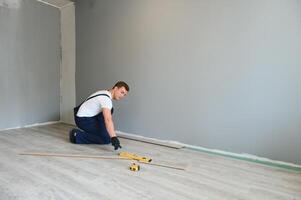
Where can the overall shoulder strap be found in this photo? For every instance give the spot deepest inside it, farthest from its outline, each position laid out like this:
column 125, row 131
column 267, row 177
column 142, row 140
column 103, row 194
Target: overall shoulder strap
column 96, row 96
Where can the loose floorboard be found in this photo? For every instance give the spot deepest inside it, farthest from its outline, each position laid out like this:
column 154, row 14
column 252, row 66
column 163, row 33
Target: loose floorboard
column 207, row 176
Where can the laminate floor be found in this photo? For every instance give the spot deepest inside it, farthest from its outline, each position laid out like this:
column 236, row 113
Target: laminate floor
column 206, row 176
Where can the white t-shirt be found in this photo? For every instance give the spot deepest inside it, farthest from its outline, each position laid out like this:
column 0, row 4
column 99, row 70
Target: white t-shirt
column 94, row 106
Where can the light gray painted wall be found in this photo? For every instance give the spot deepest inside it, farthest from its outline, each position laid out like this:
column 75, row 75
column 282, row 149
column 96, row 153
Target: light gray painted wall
column 67, row 84
column 219, row 74
column 29, row 63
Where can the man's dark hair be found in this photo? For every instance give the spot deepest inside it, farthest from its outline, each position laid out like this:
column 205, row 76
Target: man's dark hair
column 120, row 84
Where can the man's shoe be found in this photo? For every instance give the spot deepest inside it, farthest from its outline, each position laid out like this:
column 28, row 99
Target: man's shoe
column 72, row 136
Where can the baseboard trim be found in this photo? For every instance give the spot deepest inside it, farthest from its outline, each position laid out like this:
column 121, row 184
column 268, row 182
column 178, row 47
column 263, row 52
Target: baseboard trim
column 30, row 125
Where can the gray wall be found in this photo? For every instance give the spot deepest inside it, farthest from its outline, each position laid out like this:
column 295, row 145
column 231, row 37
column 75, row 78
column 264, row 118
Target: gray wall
column 214, row 73
column 29, row 63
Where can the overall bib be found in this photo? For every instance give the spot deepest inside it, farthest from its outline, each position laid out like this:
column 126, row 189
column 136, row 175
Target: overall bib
column 93, row 129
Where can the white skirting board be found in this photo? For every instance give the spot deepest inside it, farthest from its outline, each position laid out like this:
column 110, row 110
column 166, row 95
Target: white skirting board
column 31, row 125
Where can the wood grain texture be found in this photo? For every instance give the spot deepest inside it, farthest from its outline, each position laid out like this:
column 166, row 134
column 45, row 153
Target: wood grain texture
column 206, row 176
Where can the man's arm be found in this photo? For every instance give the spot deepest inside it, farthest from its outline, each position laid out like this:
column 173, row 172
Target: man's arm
column 109, row 121
column 110, row 127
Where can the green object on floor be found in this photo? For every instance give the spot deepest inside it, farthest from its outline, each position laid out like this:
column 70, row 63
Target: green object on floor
column 254, row 160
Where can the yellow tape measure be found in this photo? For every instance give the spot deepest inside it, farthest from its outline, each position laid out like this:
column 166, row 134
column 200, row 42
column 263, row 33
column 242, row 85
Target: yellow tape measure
column 134, row 167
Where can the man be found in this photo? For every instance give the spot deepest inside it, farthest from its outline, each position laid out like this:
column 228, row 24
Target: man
column 94, row 117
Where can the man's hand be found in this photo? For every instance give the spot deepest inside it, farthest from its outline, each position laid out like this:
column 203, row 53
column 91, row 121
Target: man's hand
column 115, row 143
